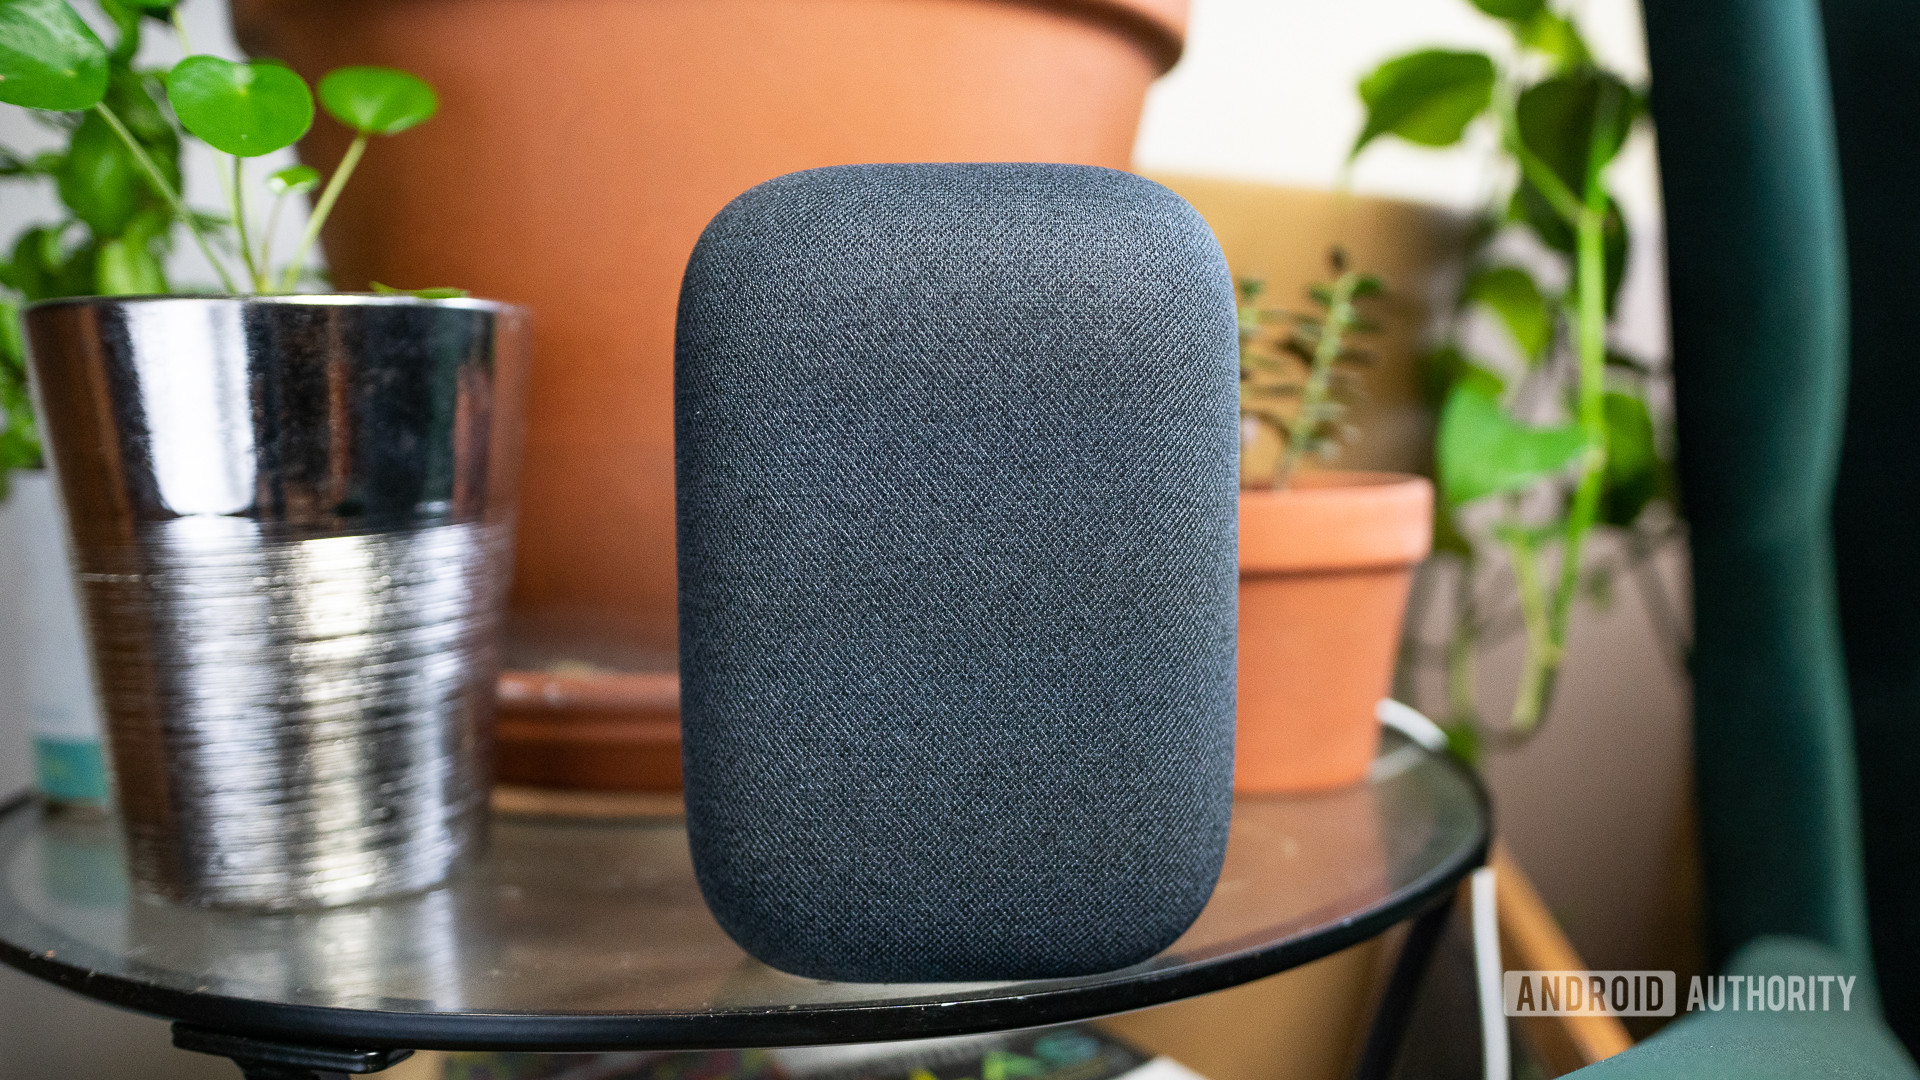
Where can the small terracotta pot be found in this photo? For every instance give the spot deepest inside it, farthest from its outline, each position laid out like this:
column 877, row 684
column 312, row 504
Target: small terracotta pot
column 1325, row 567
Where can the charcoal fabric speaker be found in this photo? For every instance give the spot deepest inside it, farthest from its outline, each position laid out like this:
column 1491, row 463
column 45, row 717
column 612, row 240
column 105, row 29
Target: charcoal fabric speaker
column 956, row 452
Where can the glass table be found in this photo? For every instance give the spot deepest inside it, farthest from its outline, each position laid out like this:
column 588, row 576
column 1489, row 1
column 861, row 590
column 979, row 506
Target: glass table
column 590, row 934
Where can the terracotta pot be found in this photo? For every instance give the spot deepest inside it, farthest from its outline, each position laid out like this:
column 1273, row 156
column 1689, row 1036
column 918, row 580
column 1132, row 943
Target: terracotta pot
column 580, row 148
column 1325, row 567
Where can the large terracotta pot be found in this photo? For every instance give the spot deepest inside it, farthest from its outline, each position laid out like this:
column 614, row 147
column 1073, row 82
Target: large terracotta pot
column 1325, row 567
column 582, row 145
column 580, row 148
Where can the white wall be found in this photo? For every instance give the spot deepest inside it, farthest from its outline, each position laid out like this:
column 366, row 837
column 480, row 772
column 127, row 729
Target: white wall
column 1266, row 92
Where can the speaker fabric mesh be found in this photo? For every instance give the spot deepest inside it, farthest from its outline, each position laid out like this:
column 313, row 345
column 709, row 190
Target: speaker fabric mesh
column 956, row 466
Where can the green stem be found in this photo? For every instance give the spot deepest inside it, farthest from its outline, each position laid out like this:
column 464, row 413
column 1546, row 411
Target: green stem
column 1548, row 183
column 1542, row 661
column 1590, row 279
column 322, row 208
column 266, row 241
column 164, row 190
column 1313, row 397
column 1592, row 405
column 180, row 30
column 1534, row 170
column 236, row 196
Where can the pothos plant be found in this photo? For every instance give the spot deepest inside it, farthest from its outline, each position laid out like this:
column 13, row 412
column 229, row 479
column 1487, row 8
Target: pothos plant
column 1293, row 374
column 118, row 175
column 1535, row 453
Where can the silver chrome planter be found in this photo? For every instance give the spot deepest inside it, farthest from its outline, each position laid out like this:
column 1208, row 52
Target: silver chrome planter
column 291, row 520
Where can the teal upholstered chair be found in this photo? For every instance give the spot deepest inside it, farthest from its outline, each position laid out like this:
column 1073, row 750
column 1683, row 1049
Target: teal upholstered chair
column 1873, row 48
column 1757, row 260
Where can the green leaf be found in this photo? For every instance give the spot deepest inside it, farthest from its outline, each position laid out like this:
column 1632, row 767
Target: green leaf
column 377, row 100
column 133, row 97
column 1510, row 293
column 42, row 268
column 242, row 109
column 1483, row 451
column 99, row 180
column 294, row 178
column 1531, row 209
column 1437, row 369
column 1425, row 97
column 1555, row 37
column 1447, row 536
column 25, row 269
column 441, row 292
column 49, row 57
column 1558, row 119
column 1463, row 739
column 1629, row 364
column 13, row 347
column 126, row 19
column 14, row 163
column 1635, row 475
column 19, row 439
column 1511, row 10
column 125, row 268
column 151, row 226
column 1445, row 367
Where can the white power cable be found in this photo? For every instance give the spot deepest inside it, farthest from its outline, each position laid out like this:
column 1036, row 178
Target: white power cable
column 1414, row 724
column 1410, row 722
column 1486, row 964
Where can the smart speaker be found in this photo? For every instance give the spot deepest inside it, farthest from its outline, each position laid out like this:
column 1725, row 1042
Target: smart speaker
column 955, row 451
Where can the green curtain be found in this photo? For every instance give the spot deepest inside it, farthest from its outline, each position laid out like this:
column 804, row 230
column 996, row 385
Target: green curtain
column 1757, row 280
column 1873, row 48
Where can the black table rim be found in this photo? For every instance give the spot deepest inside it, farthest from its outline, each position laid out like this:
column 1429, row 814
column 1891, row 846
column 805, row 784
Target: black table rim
column 778, row 1026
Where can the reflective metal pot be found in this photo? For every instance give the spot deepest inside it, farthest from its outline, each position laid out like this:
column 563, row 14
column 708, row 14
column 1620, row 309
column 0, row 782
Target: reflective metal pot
column 291, row 520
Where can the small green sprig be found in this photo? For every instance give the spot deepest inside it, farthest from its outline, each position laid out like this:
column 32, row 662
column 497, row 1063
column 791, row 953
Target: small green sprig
column 123, row 157
column 1293, row 383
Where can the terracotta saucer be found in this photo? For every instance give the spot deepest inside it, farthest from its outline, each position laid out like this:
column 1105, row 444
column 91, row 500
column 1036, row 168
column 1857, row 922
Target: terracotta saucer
column 587, row 713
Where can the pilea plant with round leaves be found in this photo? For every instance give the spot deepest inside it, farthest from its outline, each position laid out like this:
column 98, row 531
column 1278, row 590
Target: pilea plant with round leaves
column 1552, row 439
column 119, row 180
column 51, row 60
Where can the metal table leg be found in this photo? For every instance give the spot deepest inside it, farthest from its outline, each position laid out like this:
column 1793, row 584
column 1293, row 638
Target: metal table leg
column 1390, row 1021
column 260, row 1059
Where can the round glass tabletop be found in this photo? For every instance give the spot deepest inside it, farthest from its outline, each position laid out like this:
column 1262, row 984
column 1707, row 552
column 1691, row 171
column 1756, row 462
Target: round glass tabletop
column 586, row 934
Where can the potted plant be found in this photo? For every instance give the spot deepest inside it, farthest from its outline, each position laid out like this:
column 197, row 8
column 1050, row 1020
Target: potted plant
column 289, row 513
column 1545, row 432
column 1326, row 557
